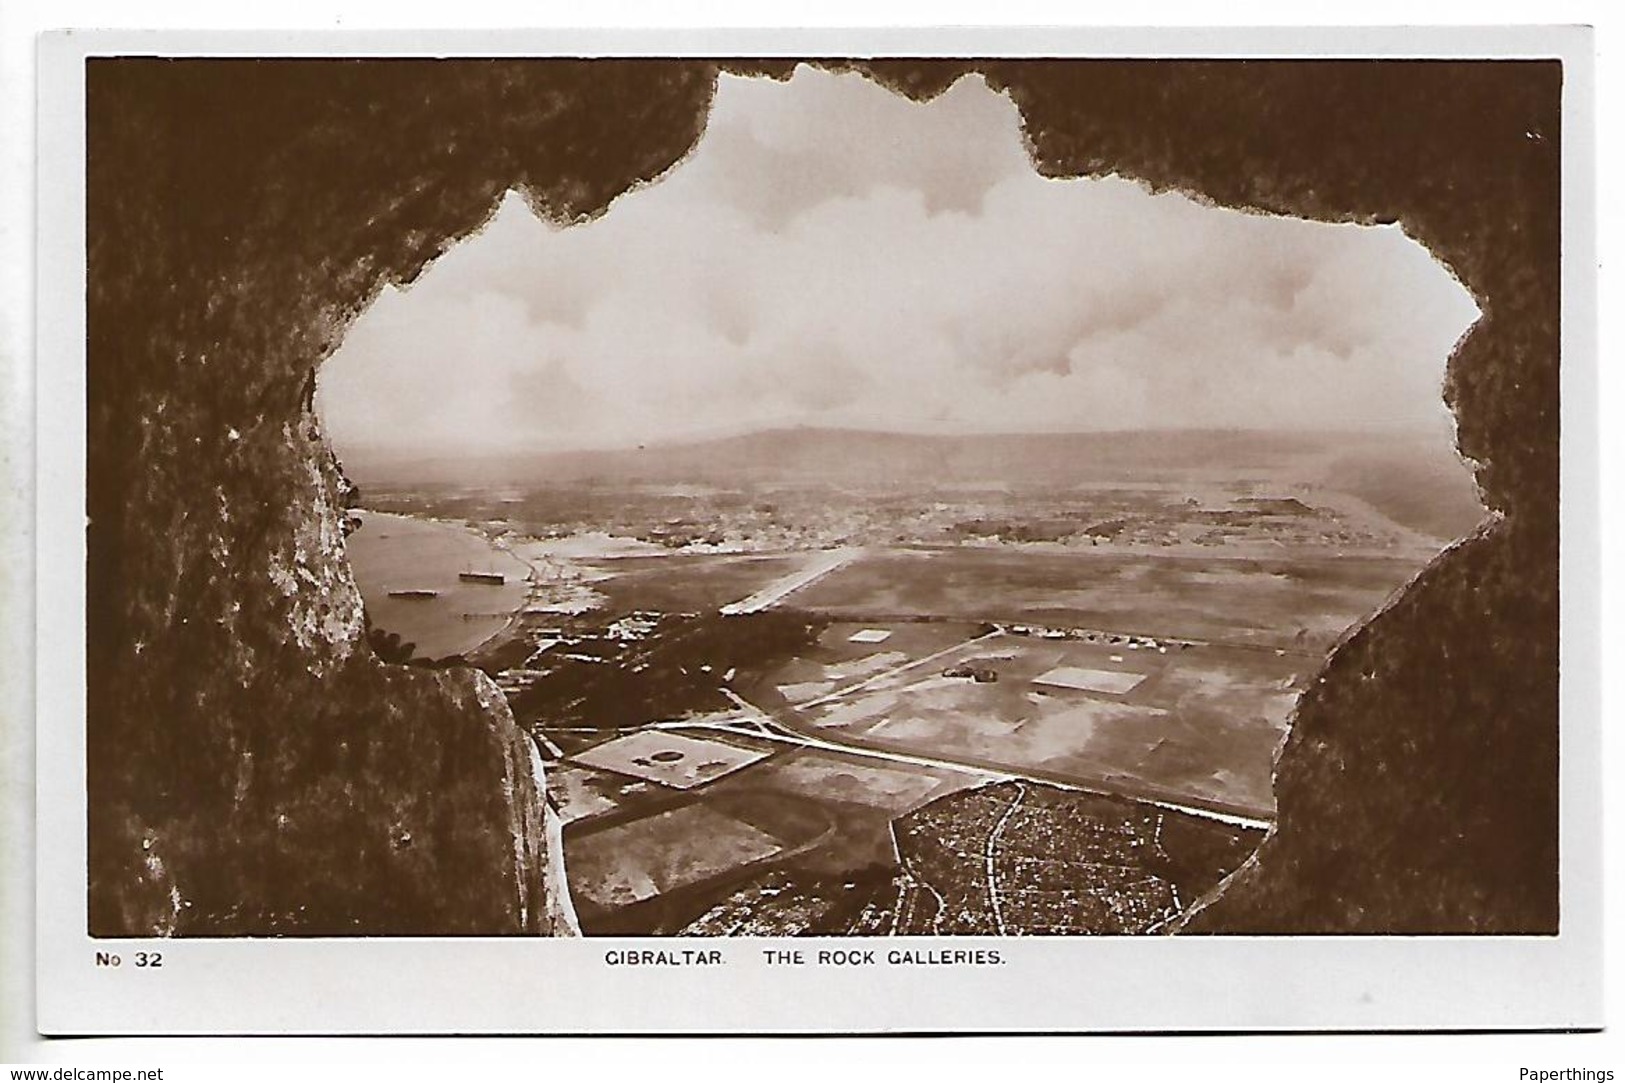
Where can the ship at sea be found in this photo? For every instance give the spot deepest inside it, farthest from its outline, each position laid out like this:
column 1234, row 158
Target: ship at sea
column 408, row 571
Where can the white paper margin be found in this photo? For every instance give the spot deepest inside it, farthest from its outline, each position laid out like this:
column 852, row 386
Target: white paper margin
column 517, row 986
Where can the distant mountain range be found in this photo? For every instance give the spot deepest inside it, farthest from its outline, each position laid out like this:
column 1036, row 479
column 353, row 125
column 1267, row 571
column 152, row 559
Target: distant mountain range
column 1414, row 476
column 850, row 456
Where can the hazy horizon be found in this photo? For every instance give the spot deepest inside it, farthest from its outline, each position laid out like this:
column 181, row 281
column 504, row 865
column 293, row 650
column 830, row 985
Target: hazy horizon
column 834, row 256
column 392, row 452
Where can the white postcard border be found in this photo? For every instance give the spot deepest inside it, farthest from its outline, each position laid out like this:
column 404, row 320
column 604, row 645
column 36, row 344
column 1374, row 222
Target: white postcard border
column 529, row 985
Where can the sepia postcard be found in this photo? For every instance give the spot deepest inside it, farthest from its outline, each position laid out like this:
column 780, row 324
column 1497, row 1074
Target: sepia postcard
column 932, row 531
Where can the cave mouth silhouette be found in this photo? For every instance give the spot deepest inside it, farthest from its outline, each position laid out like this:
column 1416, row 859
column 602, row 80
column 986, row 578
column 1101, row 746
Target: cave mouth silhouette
column 430, row 343
column 208, row 317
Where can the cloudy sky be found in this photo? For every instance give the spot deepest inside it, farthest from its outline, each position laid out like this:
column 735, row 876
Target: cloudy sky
column 832, row 254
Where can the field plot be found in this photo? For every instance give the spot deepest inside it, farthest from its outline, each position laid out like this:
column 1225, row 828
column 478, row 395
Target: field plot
column 857, row 795
column 581, row 793
column 814, row 566
column 838, row 662
column 688, row 582
column 1287, row 602
column 634, row 862
column 1078, row 679
column 1198, row 723
column 891, row 788
column 647, row 870
column 843, row 643
column 671, row 759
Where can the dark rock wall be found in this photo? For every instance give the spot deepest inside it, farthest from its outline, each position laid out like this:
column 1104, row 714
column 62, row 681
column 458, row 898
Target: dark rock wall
column 252, row 768
column 1418, row 789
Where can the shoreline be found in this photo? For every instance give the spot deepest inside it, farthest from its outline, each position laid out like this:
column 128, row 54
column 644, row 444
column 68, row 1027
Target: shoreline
column 446, row 610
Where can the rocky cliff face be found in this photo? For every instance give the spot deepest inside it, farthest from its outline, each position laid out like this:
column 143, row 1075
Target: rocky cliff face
column 1418, row 789
column 253, row 769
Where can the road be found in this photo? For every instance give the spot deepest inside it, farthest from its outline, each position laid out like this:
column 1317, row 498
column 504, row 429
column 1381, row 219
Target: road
column 882, row 675
column 752, row 721
column 992, row 854
column 821, row 564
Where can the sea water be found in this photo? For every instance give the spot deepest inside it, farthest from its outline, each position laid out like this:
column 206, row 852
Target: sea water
column 401, row 552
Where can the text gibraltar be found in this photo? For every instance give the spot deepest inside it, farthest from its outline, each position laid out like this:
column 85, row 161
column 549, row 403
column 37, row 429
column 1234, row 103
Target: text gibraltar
column 647, row 957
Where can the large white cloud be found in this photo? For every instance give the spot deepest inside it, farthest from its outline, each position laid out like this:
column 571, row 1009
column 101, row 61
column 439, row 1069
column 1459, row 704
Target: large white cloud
column 833, row 254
